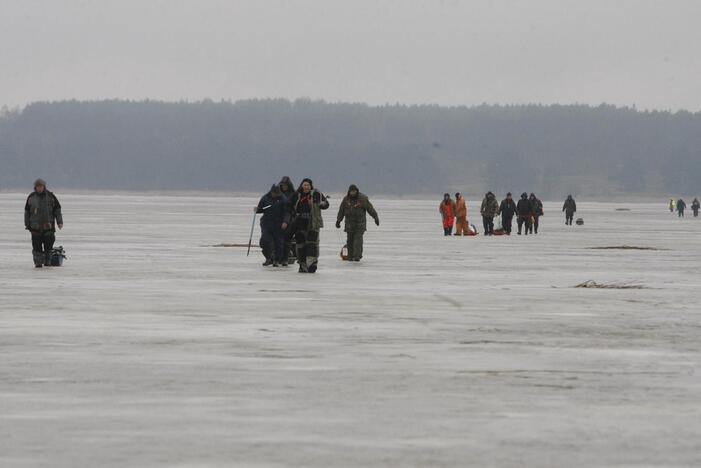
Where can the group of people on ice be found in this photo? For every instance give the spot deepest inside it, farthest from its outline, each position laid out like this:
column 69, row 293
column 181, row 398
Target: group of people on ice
column 292, row 220
column 680, row 206
column 527, row 212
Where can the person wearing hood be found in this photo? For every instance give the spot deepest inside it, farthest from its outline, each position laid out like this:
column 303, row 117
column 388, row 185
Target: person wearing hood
column 570, row 208
column 288, row 190
column 524, row 210
column 488, row 210
column 354, row 208
column 447, row 209
column 695, row 206
column 42, row 213
column 308, row 205
column 537, row 207
column 461, row 227
column 681, row 206
column 507, row 210
column 273, row 224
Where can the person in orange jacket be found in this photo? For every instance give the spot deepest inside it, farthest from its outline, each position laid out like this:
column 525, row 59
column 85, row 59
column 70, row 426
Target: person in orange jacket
column 461, row 228
column 447, row 209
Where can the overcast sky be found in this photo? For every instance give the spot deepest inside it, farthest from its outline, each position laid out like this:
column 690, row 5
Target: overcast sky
column 452, row 52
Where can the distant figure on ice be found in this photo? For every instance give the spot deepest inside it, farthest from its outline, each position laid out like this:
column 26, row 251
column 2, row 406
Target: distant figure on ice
column 354, row 208
column 681, row 206
column 42, row 213
column 695, row 206
column 488, row 210
column 273, row 224
column 570, row 208
column 447, row 209
column 461, row 227
column 525, row 212
column 671, row 205
column 288, row 190
column 308, row 206
column 507, row 210
column 537, row 212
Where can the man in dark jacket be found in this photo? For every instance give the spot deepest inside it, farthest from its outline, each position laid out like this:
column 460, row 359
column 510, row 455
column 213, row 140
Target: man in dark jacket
column 353, row 209
column 42, row 213
column 507, row 210
column 488, row 210
column 288, row 190
column 570, row 208
column 537, row 212
column 275, row 220
column 681, row 206
column 525, row 212
column 695, row 205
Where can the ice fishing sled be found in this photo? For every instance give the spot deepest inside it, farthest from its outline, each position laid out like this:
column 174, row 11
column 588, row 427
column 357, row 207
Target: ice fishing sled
column 579, row 221
column 471, row 230
column 344, row 253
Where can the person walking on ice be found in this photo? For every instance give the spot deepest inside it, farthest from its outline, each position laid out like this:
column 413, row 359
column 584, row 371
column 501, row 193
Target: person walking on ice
column 695, row 205
column 507, row 208
column 488, row 210
column 354, row 208
column 447, row 209
column 42, row 213
column 273, row 224
column 570, row 208
column 681, row 206
column 308, row 223
column 461, row 227
column 524, row 211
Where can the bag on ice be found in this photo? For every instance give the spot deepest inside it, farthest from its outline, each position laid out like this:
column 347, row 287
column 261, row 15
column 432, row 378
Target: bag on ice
column 57, row 256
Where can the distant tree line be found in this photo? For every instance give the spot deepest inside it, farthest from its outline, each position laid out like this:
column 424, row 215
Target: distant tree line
column 247, row 145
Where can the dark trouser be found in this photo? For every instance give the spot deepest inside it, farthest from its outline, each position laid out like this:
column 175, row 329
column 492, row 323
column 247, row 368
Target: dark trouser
column 42, row 243
column 681, row 213
column 448, row 231
column 524, row 220
column 488, row 223
column 354, row 242
column 307, row 250
column 533, row 225
column 506, row 222
column 696, row 213
column 289, row 236
column 569, row 216
column 272, row 241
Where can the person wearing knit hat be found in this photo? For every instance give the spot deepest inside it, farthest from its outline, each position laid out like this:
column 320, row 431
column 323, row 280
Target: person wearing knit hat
column 354, row 208
column 42, row 213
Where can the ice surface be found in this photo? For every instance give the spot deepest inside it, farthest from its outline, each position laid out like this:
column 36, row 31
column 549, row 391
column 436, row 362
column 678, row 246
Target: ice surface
column 149, row 348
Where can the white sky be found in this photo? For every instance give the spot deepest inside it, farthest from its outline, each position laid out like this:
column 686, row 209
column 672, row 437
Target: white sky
column 625, row 52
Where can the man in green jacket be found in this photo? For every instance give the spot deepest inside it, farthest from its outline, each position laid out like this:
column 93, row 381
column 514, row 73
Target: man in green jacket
column 354, row 207
column 42, row 213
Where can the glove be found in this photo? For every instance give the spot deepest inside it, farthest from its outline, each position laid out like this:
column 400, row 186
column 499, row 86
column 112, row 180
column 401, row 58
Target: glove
column 338, row 225
column 377, row 221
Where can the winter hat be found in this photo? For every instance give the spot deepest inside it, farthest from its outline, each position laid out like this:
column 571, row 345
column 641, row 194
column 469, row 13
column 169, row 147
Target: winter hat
column 508, row 194
column 446, row 195
column 353, row 188
column 524, row 195
column 39, row 182
column 275, row 190
column 457, row 194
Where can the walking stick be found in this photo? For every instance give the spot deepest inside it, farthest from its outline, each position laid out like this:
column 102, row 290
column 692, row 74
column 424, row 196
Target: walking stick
column 250, row 239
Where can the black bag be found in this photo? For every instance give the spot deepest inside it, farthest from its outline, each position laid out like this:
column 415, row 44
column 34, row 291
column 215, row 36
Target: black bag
column 57, row 256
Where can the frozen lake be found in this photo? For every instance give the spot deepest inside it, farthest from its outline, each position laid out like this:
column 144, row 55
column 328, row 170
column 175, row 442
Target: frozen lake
column 151, row 348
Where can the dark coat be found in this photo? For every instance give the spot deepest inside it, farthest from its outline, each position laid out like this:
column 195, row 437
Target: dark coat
column 276, row 211
column 524, row 208
column 354, row 210
column 537, row 207
column 42, row 212
column 507, row 208
column 570, row 206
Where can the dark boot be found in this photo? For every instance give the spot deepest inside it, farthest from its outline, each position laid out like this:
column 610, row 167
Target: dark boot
column 267, row 262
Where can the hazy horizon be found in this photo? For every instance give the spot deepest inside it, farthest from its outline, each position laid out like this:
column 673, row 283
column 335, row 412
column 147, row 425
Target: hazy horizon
column 627, row 53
